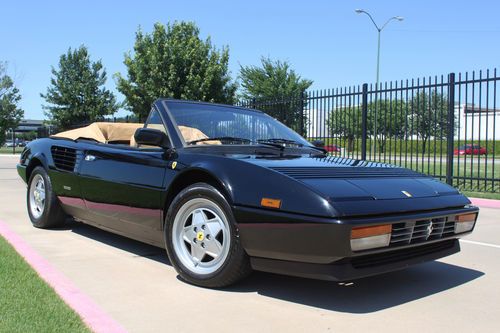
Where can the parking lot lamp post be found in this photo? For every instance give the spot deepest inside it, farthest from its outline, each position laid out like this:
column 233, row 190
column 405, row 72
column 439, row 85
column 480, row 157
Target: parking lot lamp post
column 379, row 31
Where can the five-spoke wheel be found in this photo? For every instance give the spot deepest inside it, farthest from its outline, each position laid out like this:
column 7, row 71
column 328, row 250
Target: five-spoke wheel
column 202, row 239
column 44, row 208
column 201, row 235
column 37, row 196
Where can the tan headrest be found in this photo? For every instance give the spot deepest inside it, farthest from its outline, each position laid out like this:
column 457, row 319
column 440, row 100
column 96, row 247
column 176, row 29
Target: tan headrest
column 133, row 143
column 191, row 134
column 118, row 131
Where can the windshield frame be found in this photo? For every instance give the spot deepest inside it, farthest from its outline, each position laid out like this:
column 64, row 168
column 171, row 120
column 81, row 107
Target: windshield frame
column 303, row 144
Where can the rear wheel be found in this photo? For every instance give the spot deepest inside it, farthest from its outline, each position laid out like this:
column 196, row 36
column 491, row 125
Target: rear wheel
column 44, row 209
column 202, row 239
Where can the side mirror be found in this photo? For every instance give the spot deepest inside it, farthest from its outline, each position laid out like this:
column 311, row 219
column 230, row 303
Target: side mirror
column 151, row 137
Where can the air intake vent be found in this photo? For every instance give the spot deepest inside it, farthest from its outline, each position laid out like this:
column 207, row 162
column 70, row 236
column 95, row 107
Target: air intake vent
column 64, row 158
column 346, row 172
column 422, row 230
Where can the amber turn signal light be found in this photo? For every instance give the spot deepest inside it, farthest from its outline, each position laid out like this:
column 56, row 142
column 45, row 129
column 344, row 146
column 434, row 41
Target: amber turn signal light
column 471, row 217
column 270, row 203
column 362, row 232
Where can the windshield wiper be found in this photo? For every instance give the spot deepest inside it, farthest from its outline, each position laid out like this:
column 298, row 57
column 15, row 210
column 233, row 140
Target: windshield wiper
column 280, row 141
column 220, row 138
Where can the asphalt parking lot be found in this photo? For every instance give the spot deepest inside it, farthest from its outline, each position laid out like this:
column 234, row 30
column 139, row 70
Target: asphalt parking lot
column 136, row 286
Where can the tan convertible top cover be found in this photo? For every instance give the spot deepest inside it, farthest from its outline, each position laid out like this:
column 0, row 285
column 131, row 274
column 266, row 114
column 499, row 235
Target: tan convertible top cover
column 102, row 132
column 124, row 132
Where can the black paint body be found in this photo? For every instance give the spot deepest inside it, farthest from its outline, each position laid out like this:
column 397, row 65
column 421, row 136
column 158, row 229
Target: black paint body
column 128, row 190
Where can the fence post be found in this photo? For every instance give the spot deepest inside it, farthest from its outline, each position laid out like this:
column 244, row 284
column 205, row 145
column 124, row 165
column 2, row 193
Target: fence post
column 301, row 106
column 13, row 140
column 451, row 128
column 364, row 120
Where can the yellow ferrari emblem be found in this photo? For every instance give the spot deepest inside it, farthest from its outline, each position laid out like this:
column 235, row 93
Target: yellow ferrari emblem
column 174, row 164
column 200, row 236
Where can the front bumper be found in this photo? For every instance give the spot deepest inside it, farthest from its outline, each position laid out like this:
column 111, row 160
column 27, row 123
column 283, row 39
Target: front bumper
column 320, row 248
column 362, row 266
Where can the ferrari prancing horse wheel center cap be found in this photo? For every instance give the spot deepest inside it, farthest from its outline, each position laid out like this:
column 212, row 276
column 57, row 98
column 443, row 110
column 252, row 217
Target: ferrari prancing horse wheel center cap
column 200, row 236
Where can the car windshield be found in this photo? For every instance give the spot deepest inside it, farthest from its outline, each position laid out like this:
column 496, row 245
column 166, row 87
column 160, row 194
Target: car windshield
column 201, row 123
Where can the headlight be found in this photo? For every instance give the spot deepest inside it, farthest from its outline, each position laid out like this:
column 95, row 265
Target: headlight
column 465, row 222
column 363, row 238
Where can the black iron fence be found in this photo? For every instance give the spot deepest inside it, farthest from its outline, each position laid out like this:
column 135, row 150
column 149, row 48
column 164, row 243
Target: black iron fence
column 445, row 126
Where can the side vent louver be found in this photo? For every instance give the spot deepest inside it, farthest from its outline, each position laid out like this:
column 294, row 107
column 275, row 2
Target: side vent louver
column 64, row 158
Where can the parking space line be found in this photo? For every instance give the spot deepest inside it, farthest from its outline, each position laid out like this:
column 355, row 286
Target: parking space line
column 480, row 243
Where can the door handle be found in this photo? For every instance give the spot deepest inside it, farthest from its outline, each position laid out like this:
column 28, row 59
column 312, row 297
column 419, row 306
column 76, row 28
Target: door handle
column 89, row 158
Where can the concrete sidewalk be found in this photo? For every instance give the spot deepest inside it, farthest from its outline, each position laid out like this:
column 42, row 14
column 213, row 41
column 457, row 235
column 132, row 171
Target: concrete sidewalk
column 135, row 284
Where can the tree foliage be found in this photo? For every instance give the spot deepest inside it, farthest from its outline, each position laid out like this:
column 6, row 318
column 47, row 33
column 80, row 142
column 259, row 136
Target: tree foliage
column 76, row 93
column 10, row 112
column 345, row 123
column 275, row 87
column 425, row 116
column 173, row 61
column 429, row 116
column 387, row 119
column 273, row 79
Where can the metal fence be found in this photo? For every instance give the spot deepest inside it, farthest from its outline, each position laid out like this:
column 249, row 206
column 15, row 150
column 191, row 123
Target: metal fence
column 444, row 126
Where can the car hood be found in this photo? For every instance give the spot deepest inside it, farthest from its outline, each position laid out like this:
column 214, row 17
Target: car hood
column 345, row 183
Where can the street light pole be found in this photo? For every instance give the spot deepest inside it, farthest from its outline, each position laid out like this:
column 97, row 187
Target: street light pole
column 379, row 32
column 378, row 58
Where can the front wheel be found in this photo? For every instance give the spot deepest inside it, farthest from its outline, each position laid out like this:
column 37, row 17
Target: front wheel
column 44, row 209
column 202, row 239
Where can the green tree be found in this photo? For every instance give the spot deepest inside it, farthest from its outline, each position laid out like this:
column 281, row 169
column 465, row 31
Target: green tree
column 76, row 93
column 274, row 87
column 10, row 112
column 345, row 123
column 173, row 61
column 387, row 119
column 429, row 116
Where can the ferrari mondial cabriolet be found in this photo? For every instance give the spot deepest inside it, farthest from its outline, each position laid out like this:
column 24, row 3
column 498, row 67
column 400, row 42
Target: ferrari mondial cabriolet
column 226, row 190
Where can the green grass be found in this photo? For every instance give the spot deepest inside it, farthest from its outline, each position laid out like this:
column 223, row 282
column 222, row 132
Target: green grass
column 8, row 150
column 495, row 196
column 411, row 146
column 27, row 303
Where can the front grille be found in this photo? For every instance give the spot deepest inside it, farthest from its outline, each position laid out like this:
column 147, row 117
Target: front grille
column 419, row 231
column 64, row 158
column 346, row 172
column 384, row 258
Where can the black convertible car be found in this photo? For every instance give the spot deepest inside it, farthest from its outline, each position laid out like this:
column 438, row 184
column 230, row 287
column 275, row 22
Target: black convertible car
column 227, row 189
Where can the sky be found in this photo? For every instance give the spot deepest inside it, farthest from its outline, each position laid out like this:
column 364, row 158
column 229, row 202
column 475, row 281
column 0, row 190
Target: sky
column 323, row 40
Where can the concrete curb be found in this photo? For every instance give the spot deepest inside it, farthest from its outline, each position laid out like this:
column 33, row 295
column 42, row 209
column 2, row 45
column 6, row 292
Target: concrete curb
column 92, row 315
column 486, row 203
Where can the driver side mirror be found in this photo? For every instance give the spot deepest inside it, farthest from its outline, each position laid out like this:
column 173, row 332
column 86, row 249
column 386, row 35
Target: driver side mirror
column 151, row 137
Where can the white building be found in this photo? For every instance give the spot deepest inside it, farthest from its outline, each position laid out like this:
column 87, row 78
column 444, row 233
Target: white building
column 476, row 123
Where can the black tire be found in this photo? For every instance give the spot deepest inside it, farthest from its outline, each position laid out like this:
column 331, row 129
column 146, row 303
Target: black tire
column 236, row 264
column 52, row 215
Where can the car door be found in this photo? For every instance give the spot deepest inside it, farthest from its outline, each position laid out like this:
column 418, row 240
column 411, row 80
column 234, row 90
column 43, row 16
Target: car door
column 122, row 187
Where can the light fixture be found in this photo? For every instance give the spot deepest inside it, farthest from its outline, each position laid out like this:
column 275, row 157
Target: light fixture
column 465, row 222
column 364, row 238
